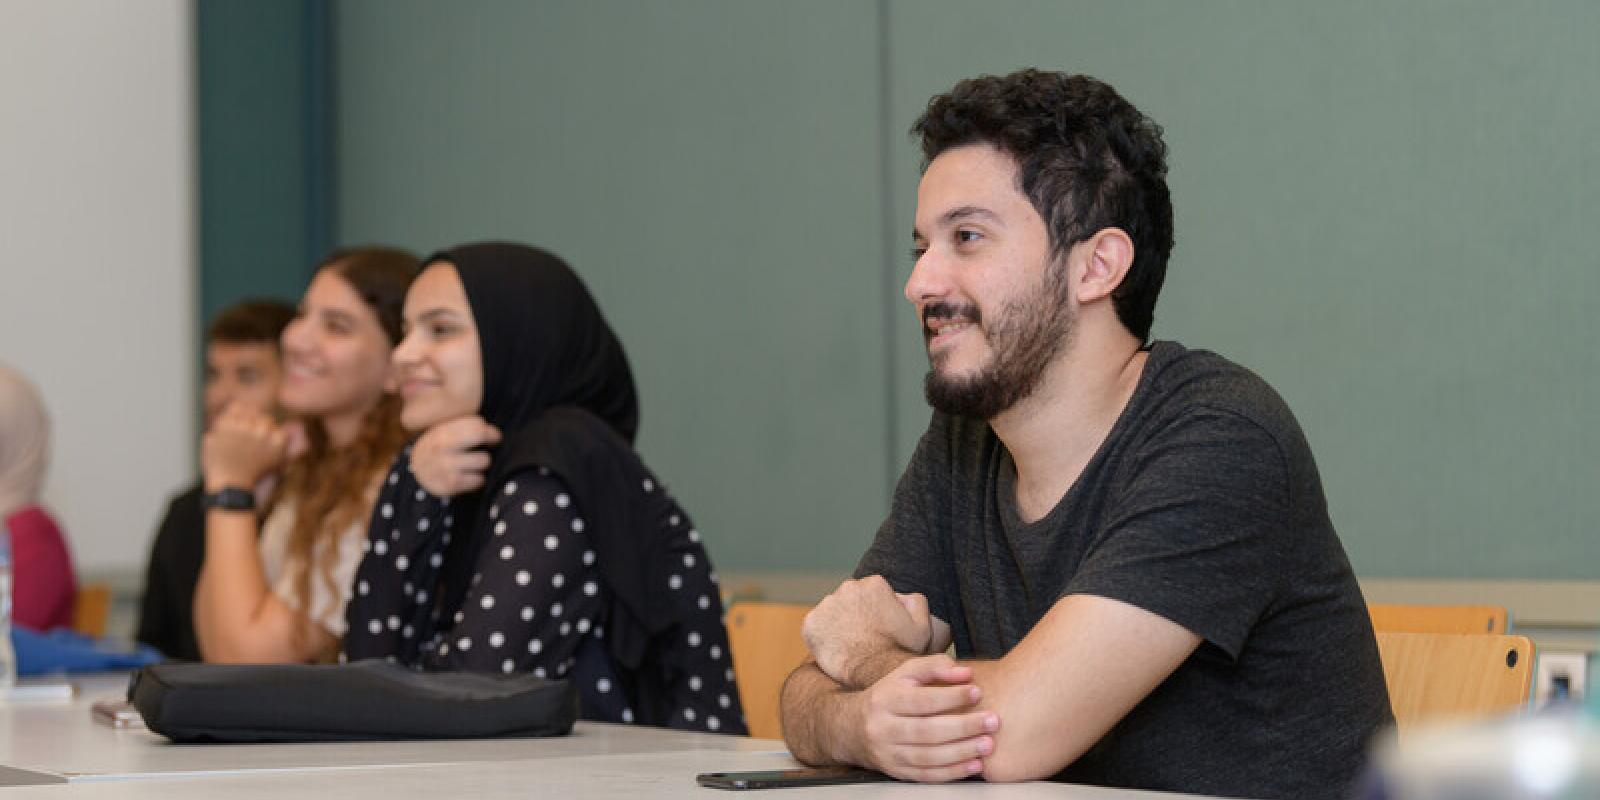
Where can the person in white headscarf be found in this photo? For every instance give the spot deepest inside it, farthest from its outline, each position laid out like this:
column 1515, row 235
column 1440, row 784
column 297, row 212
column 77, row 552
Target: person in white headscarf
column 42, row 584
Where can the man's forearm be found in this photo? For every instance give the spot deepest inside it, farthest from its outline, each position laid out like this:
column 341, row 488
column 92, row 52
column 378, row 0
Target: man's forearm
column 820, row 719
column 872, row 668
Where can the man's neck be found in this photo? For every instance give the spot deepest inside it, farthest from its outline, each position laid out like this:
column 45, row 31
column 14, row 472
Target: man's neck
column 1053, row 433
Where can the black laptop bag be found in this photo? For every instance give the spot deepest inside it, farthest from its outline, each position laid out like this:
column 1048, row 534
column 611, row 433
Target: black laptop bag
column 362, row 701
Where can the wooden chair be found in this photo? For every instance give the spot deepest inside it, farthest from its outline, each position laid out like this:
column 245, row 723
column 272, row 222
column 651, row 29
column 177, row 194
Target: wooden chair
column 1438, row 619
column 764, row 639
column 1442, row 676
column 91, row 607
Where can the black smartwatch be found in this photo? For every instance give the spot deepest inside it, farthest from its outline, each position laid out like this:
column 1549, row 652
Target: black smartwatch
column 231, row 498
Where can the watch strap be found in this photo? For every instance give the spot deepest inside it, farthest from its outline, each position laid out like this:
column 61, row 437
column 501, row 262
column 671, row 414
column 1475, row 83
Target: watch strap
column 232, row 498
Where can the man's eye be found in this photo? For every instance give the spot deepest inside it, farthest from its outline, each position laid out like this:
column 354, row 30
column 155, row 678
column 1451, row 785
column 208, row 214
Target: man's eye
column 965, row 237
column 917, row 253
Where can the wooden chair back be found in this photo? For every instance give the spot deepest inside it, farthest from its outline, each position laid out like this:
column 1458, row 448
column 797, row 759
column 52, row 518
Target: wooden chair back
column 764, row 639
column 1438, row 619
column 91, row 608
column 1435, row 677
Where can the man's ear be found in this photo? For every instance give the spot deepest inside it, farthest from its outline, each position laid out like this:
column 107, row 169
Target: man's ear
column 1108, row 255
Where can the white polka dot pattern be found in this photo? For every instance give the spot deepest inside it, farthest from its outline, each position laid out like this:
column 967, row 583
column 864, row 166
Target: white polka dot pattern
column 537, row 595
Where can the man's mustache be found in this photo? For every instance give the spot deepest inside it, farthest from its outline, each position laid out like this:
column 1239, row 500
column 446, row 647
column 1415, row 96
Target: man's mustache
column 946, row 311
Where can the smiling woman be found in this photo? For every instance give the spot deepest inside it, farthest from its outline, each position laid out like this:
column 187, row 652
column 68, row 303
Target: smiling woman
column 282, row 598
column 441, row 372
column 559, row 555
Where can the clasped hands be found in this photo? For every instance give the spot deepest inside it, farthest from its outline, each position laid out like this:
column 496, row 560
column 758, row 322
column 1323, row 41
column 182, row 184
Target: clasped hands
column 245, row 448
column 915, row 710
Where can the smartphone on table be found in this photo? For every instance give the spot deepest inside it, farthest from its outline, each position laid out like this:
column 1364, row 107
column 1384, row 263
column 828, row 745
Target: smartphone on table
column 784, row 778
column 116, row 713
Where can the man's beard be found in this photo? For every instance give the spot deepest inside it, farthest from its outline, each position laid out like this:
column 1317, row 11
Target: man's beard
column 1025, row 337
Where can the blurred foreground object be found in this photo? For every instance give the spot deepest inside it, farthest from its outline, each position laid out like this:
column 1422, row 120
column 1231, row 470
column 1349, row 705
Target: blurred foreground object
column 1555, row 754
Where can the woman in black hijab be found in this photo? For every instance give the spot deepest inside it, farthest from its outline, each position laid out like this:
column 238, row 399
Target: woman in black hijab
column 520, row 532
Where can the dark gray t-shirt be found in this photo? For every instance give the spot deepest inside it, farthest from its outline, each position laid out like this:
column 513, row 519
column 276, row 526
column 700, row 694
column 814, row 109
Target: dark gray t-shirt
column 1204, row 506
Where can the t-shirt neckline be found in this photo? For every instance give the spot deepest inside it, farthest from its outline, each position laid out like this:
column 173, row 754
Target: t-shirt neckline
column 1006, row 484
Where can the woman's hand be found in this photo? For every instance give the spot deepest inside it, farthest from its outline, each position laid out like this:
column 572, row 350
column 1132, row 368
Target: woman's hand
column 446, row 460
column 242, row 447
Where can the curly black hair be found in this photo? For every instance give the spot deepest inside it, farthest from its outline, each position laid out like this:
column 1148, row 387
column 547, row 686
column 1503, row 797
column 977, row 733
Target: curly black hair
column 1087, row 160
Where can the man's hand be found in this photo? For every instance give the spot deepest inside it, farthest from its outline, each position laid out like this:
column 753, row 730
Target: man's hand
column 242, row 447
column 863, row 629
column 921, row 723
column 446, row 460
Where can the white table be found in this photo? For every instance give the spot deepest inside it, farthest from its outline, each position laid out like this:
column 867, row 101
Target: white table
column 45, row 741
column 56, row 752
column 636, row 776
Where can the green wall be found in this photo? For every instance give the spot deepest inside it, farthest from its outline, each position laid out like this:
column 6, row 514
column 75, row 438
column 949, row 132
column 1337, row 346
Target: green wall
column 717, row 185
column 1382, row 208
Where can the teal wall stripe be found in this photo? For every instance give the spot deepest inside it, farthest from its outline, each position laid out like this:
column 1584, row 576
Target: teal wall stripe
column 320, row 115
column 266, row 157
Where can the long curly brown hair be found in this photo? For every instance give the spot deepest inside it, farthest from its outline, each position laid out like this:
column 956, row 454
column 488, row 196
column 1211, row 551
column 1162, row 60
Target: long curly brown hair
column 331, row 485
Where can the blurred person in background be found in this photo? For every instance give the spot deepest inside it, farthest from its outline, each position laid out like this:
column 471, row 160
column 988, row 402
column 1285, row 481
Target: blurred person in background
column 243, row 367
column 306, row 487
column 43, row 587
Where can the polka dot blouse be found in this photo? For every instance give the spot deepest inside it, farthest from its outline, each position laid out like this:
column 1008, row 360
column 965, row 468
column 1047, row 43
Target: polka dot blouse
column 536, row 601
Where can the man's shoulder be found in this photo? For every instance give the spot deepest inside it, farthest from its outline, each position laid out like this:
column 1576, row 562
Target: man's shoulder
column 186, row 500
column 185, row 515
column 1183, row 383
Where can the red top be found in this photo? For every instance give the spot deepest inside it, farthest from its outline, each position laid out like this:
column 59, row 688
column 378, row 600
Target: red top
column 42, row 584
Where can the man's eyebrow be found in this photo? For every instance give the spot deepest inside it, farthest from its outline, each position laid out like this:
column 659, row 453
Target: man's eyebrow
column 958, row 214
column 967, row 212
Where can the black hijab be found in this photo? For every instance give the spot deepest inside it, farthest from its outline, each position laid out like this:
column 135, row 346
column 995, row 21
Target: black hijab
column 557, row 384
column 543, row 340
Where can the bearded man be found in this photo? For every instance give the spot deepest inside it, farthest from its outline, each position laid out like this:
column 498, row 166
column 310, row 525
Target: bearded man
column 1126, row 541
